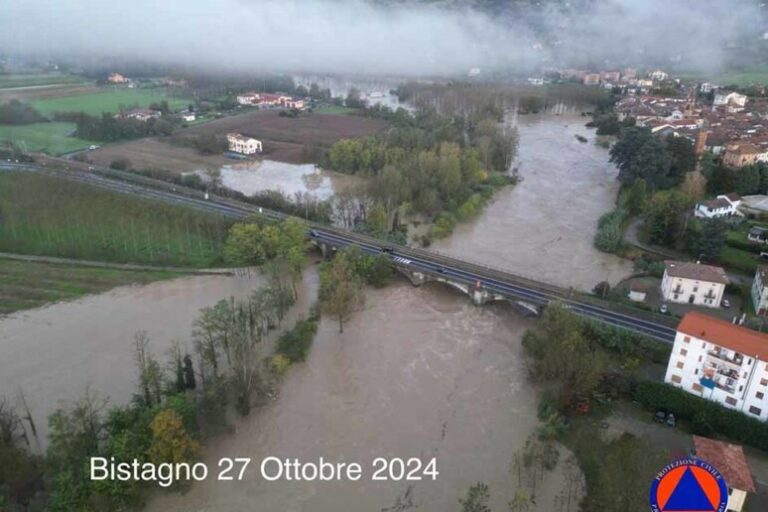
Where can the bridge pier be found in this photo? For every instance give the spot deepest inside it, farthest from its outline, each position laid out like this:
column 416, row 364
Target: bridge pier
column 416, row 278
column 479, row 296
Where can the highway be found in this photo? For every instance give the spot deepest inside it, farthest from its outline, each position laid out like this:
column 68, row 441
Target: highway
column 496, row 281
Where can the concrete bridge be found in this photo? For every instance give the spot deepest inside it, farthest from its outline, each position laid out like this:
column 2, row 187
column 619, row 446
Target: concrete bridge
column 481, row 283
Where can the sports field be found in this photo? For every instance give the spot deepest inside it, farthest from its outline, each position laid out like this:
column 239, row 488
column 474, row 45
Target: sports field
column 53, row 138
column 110, row 100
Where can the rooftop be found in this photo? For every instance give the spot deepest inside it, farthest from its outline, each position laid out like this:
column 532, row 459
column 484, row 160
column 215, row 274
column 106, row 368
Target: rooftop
column 725, row 334
column 729, row 459
column 696, row 271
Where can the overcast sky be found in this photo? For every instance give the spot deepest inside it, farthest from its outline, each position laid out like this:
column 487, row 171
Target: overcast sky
column 353, row 36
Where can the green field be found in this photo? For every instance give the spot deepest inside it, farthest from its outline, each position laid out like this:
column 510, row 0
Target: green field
column 9, row 81
column 55, row 217
column 111, row 100
column 334, row 110
column 25, row 285
column 53, row 138
column 740, row 78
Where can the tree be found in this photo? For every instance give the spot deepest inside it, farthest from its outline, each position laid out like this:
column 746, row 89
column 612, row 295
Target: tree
column 150, row 373
column 666, row 218
column 170, row 441
column 601, row 289
column 706, row 239
column 353, row 99
column 747, row 180
column 637, row 197
column 477, row 499
column 341, row 288
column 682, row 157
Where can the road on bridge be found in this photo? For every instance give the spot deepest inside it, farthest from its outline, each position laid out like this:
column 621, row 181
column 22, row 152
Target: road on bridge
column 495, row 281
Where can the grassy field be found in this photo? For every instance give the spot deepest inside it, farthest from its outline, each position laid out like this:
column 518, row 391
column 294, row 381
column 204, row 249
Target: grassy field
column 335, row 110
column 109, row 100
column 26, row 285
column 52, row 138
column 9, row 81
column 740, row 78
column 54, row 217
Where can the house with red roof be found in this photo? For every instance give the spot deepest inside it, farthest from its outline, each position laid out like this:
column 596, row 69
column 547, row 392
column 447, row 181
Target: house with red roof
column 730, row 461
column 723, row 362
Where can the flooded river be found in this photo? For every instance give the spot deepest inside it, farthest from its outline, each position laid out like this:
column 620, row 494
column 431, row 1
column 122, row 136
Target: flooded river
column 53, row 353
column 418, row 373
column 544, row 226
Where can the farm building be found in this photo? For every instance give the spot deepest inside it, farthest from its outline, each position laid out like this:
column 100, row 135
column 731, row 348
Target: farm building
column 243, row 145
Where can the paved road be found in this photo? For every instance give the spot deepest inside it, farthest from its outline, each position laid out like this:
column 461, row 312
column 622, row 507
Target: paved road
column 494, row 280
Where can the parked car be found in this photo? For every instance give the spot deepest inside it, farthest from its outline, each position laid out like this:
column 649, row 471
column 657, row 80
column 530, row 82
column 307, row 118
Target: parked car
column 660, row 417
column 726, row 303
column 664, row 309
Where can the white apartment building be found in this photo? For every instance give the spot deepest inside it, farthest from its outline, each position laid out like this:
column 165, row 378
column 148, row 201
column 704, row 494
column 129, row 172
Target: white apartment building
column 722, row 362
column 734, row 101
column 760, row 291
column 242, row 144
column 693, row 283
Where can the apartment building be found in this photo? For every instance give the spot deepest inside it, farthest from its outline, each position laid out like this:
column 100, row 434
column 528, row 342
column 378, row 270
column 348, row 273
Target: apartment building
column 722, row 362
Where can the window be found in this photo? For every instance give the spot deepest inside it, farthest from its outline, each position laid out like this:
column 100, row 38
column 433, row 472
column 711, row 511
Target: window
column 700, row 358
column 677, row 296
column 760, row 395
column 730, row 400
column 764, row 382
column 755, row 410
column 695, row 289
column 676, row 379
column 687, row 339
column 697, row 387
column 683, row 352
column 696, row 372
column 680, row 364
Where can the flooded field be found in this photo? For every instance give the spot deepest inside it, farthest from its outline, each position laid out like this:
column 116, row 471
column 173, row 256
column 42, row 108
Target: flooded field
column 290, row 179
column 418, row 373
column 53, row 353
column 544, row 226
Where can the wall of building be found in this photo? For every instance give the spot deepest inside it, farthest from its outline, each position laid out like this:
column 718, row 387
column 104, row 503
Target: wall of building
column 699, row 289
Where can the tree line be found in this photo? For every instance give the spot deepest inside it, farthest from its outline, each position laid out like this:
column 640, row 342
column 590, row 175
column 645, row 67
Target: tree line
column 15, row 112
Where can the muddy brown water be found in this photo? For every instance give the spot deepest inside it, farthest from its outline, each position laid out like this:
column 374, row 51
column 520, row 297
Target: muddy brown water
column 419, row 373
column 544, row 226
column 52, row 353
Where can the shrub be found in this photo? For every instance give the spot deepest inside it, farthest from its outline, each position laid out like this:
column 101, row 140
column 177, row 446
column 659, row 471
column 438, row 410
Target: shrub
column 280, row 364
column 610, row 236
column 705, row 417
column 294, row 344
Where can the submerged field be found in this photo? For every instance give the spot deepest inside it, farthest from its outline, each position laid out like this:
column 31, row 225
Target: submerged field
column 49, row 216
column 109, row 100
column 26, row 285
column 52, row 138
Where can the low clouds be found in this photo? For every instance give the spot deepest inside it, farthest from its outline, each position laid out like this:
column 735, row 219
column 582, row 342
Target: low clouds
column 357, row 37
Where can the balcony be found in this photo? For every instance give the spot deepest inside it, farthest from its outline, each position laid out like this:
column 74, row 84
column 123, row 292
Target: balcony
column 736, row 360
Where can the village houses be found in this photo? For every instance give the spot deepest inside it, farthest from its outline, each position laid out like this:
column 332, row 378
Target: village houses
column 239, row 143
column 139, row 114
column 693, row 283
column 722, row 362
column 117, row 78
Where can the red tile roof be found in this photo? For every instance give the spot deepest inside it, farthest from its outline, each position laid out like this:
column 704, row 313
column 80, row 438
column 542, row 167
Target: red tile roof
column 725, row 334
column 729, row 459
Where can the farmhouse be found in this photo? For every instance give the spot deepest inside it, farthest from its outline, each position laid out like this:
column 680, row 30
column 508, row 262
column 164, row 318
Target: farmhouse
column 248, row 98
column 242, row 144
column 730, row 460
column 720, row 207
column 722, row 362
column 117, row 78
column 693, row 283
column 139, row 114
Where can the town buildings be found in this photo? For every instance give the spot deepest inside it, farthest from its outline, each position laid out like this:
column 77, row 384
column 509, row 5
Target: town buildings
column 722, row 362
column 269, row 100
column 732, row 101
column 248, row 98
column 117, row 78
column 243, row 145
column 693, row 283
column 723, row 206
column 730, row 461
column 738, row 155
